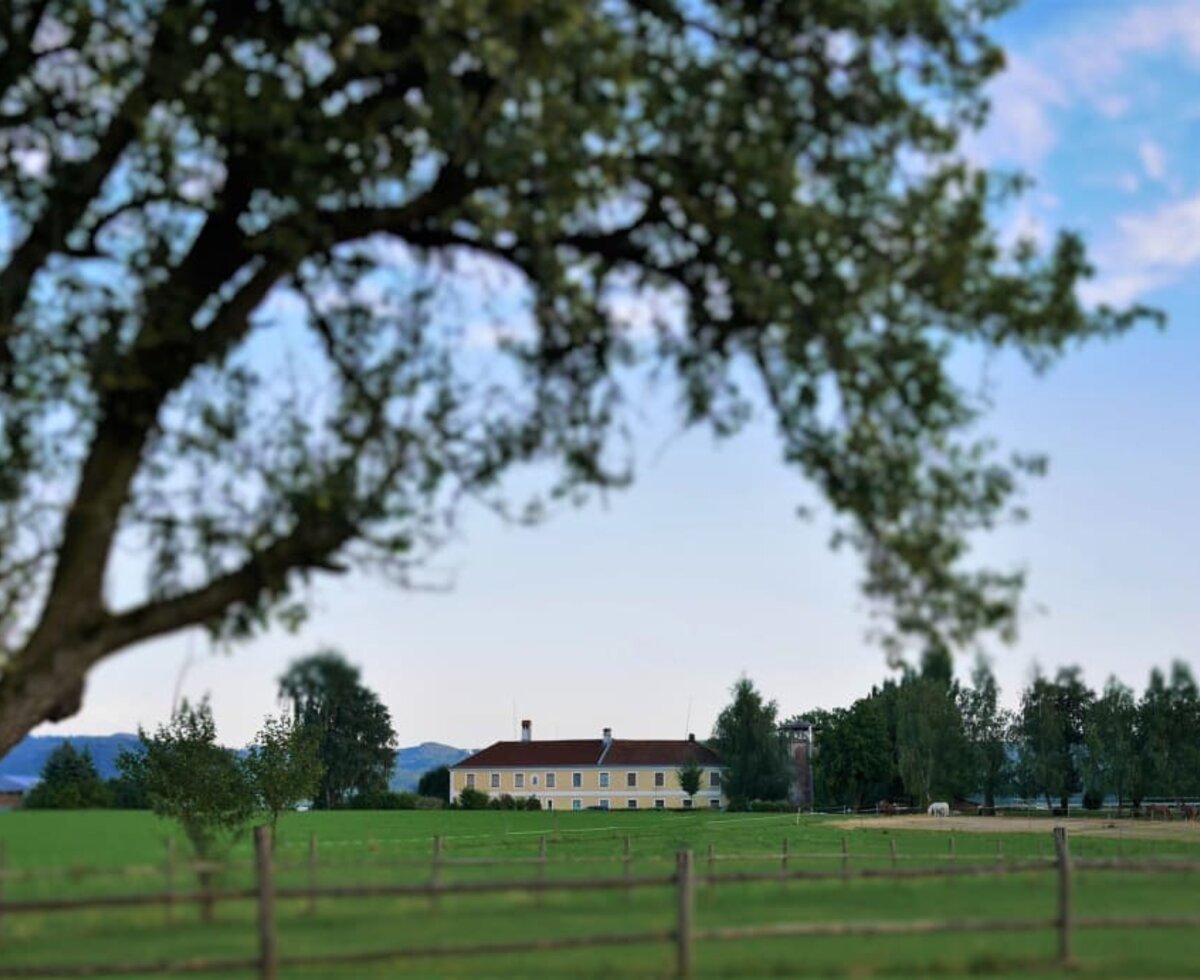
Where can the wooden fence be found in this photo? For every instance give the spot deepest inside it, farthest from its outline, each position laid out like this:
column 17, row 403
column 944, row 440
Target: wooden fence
column 683, row 936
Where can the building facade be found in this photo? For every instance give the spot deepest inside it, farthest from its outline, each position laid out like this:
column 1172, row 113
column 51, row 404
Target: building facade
column 582, row 774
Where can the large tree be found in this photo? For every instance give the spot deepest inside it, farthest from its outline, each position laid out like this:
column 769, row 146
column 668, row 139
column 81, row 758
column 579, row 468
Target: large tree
column 243, row 248
column 932, row 752
column 352, row 729
column 752, row 749
column 986, row 729
column 1050, row 731
column 69, row 782
column 1112, row 747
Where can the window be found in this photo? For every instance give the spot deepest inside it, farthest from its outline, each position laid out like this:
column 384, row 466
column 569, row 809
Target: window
column 604, row 804
column 631, row 780
column 714, row 804
column 631, row 804
column 660, row 804
column 604, row 780
column 576, row 780
column 519, row 780
column 577, row 804
column 687, row 804
column 535, row 779
column 495, row 780
column 549, row 804
column 551, row 782
column 660, row 780
column 470, row 780
column 714, row 779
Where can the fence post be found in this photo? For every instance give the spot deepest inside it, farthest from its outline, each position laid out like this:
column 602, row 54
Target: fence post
column 783, row 856
column 169, row 871
column 627, row 861
column 312, row 873
column 268, row 951
column 683, row 930
column 892, row 848
column 541, row 873
column 1063, row 852
column 435, row 874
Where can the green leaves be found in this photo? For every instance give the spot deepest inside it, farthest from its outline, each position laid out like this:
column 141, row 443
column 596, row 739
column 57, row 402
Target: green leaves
column 344, row 724
column 193, row 780
column 258, row 252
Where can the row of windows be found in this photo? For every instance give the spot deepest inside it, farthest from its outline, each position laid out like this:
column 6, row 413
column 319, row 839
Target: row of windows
column 631, row 780
column 632, row 804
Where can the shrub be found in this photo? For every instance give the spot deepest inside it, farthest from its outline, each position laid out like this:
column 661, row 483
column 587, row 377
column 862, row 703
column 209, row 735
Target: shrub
column 473, row 799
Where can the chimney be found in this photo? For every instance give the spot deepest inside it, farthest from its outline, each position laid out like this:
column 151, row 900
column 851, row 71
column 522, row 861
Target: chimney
column 691, row 736
column 607, row 737
column 527, row 730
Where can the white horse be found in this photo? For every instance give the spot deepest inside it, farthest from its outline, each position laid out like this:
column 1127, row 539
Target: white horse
column 939, row 809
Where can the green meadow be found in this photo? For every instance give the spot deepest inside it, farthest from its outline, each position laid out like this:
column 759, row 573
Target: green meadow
column 364, row 847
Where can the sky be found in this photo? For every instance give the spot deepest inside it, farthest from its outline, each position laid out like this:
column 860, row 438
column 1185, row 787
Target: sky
column 640, row 613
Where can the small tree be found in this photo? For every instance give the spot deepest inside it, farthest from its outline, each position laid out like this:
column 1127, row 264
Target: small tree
column 191, row 779
column 435, row 782
column 283, row 766
column 690, row 775
column 69, row 782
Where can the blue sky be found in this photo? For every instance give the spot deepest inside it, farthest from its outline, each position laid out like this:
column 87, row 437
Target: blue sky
column 640, row 614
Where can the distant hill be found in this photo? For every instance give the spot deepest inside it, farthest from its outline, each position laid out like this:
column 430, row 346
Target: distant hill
column 26, row 760
column 414, row 761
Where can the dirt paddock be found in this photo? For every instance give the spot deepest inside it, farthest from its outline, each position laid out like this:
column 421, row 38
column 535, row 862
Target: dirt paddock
column 1078, row 826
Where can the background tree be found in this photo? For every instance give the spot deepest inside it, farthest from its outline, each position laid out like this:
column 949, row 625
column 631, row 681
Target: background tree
column 352, row 728
column 985, row 728
column 192, row 780
column 690, row 775
column 435, row 783
column 128, row 788
column 753, row 752
column 932, row 753
column 284, row 767
column 1050, row 727
column 1111, row 739
column 69, row 782
column 178, row 178
column 853, row 760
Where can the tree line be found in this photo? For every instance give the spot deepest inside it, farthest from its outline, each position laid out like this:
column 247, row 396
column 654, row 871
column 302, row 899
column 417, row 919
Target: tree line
column 925, row 736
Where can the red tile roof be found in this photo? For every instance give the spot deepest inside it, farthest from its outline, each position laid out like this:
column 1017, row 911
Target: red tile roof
column 569, row 752
column 642, row 752
column 590, row 752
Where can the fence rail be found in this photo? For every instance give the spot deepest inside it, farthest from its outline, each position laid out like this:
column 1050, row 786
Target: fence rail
column 266, row 894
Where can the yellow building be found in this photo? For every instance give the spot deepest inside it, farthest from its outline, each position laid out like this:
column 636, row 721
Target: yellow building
column 581, row 774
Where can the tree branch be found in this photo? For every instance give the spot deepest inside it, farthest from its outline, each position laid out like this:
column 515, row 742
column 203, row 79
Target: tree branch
column 306, row 549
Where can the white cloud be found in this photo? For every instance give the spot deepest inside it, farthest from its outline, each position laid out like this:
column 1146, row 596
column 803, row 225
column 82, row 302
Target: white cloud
column 1167, row 238
column 1148, row 251
column 1020, row 129
column 1154, row 160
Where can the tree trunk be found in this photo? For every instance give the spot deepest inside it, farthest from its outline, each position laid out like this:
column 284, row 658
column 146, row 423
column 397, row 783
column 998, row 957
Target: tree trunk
column 207, row 905
column 39, row 686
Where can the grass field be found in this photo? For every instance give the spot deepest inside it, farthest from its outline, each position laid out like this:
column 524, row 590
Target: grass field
column 393, row 846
